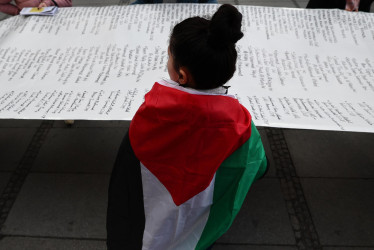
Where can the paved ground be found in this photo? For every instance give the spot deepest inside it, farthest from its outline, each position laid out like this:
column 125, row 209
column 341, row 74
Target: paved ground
column 319, row 193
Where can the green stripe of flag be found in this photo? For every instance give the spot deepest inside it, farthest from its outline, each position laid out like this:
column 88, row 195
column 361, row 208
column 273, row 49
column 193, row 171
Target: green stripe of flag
column 233, row 180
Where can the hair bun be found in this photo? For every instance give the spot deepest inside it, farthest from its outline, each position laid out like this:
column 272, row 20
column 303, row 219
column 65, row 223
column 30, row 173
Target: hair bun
column 225, row 26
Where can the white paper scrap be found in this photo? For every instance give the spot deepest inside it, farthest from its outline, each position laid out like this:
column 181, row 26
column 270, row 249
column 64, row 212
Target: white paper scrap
column 35, row 11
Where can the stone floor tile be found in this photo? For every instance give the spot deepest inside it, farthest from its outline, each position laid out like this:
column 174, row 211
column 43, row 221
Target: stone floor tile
column 271, row 3
column 92, row 124
column 17, row 123
column 4, row 178
column 279, row 1
column 94, row 2
column 342, row 210
column 63, row 205
column 331, row 153
column 251, row 247
column 89, row 4
column 233, row 2
column 263, row 218
column 22, row 243
column 125, row 2
column 3, row 16
column 13, row 144
column 348, row 248
column 89, row 150
column 302, row 3
column 272, row 169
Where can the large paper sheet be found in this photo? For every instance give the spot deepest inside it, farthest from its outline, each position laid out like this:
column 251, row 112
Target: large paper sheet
column 297, row 68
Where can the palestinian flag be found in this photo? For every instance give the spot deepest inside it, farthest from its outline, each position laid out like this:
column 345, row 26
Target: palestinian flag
column 182, row 171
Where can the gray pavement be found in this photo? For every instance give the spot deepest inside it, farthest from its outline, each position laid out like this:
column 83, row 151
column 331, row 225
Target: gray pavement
column 318, row 194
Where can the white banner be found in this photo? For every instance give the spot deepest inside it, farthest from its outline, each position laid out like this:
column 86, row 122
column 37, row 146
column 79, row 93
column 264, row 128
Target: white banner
column 297, row 68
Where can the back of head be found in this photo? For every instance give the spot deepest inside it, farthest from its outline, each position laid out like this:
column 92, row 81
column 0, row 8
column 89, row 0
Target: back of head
column 207, row 47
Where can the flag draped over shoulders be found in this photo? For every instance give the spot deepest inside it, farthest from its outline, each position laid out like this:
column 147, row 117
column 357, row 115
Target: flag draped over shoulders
column 198, row 154
column 183, row 138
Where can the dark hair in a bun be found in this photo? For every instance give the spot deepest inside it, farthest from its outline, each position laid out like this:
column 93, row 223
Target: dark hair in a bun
column 207, row 47
column 225, row 26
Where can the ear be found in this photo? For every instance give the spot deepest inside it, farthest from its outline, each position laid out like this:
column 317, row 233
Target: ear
column 183, row 75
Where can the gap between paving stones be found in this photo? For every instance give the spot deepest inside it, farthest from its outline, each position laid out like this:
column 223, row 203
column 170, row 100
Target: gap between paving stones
column 298, row 211
column 252, row 244
column 18, row 176
column 52, row 237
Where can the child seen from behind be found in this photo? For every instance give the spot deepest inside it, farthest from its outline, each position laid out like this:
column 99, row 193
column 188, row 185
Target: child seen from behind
column 191, row 152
